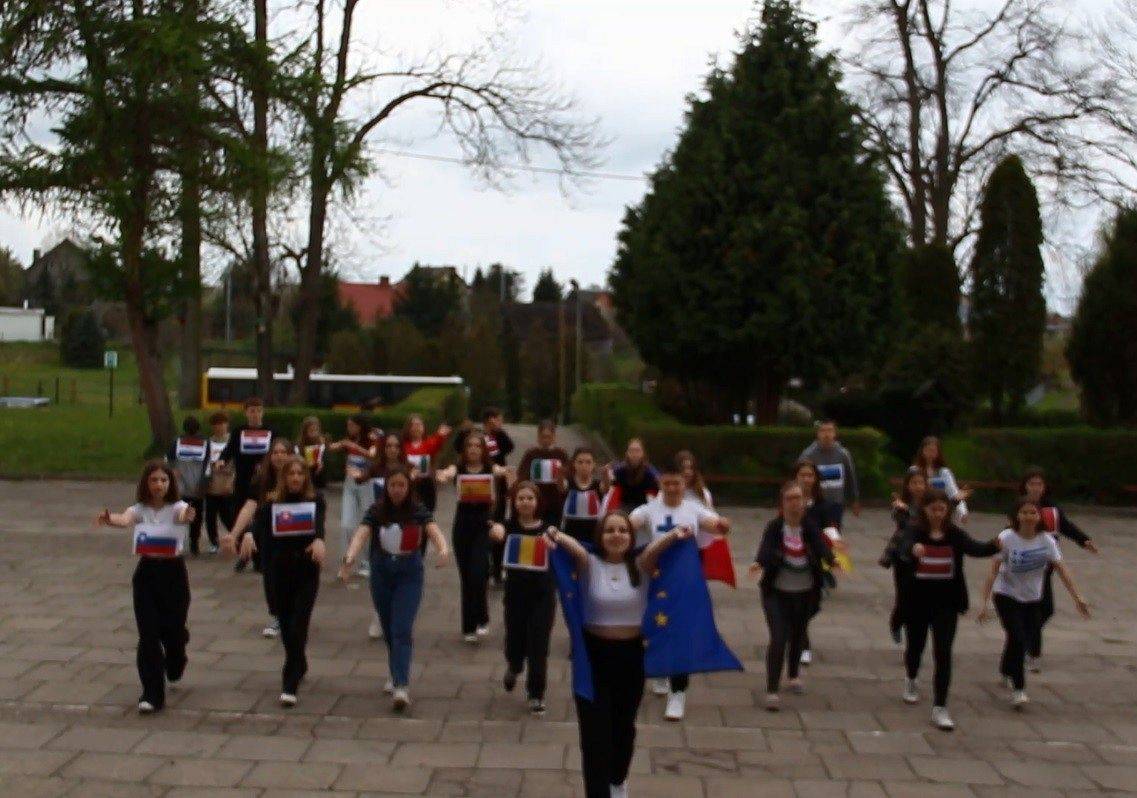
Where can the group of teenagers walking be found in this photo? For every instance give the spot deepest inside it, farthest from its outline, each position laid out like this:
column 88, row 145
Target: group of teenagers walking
column 597, row 533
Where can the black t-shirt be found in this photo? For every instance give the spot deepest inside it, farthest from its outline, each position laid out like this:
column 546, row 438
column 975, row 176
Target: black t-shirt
column 290, row 524
column 581, row 510
column 521, row 575
column 391, row 533
column 246, row 448
column 635, row 487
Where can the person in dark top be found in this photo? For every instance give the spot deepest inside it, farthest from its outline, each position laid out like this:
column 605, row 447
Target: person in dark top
column 905, row 505
column 530, row 594
column 546, row 465
column 584, row 499
column 821, row 514
column 312, row 445
column 1034, row 486
column 934, row 595
column 790, row 559
column 248, row 444
column 293, row 515
column 498, row 447
column 634, row 480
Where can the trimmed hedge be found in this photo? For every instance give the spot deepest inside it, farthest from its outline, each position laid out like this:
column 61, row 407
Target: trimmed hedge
column 618, row 413
column 1080, row 462
column 435, row 405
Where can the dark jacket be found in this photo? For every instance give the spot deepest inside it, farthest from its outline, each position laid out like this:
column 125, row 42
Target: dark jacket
column 960, row 542
column 770, row 552
column 901, row 517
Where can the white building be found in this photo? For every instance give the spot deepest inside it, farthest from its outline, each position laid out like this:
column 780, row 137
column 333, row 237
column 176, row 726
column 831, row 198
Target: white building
column 26, row 324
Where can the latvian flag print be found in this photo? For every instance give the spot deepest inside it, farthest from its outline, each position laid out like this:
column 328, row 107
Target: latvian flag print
column 938, row 562
column 400, row 538
column 255, row 441
column 582, row 504
column 526, row 553
column 546, row 472
column 154, row 544
column 293, row 519
column 1050, row 519
column 475, row 488
column 190, row 449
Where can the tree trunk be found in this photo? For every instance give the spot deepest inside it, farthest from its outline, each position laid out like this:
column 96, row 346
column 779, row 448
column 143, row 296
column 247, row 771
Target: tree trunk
column 189, row 384
column 262, row 266
column 309, row 297
column 767, row 396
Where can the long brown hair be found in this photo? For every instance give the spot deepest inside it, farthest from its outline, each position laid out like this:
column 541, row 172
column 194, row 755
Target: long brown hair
column 698, row 484
column 265, row 476
column 404, row 511
column 143, row 491
column 308, row 438
column 280, row 492
column 816, row 496
column 931, row 496
column 630, row 554
column 528, row 485
column 473, row 435
column 906, row 488
column 380, row 468
column 922, row 464
column 1021, row 503
column 1031, row 473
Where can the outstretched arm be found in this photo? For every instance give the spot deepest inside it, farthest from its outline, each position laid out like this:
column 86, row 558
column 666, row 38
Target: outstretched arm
column 649, row 558
column 1068, row 581
column 571, row 545
column 121, row 520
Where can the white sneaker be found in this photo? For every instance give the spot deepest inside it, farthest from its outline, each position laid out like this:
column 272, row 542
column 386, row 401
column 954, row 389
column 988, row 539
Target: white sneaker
column 364, row 570
column 676, row 706
column 375, row 630
column 1034, row 664
column 660, row 687
column 806, row 657
column 618, row 791
column 389, row 687
column 773, row 702
column 401, row 700
column 272, row 630
column 911, row 694
column 145, row 708
column 288, row 699
column 942, row 720
column 483, row 630
column 471, row 639
column 1019, row 699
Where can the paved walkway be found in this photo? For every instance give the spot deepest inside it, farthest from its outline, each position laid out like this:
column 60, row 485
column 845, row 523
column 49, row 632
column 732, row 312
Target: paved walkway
column 68, row 688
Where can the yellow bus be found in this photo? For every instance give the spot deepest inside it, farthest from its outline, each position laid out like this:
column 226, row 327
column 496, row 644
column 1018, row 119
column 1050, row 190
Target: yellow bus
column 227, row 388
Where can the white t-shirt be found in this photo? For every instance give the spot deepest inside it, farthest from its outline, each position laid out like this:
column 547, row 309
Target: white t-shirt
column 1024, row 564
column 612, row 599
column 657, row 519
column 157, row 533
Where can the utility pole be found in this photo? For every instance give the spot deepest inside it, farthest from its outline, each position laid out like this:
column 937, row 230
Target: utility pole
column 229, row 305
column 561, row 359
column 579, row 342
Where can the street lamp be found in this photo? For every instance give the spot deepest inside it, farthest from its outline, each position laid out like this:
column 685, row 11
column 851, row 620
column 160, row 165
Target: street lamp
column 579, row 337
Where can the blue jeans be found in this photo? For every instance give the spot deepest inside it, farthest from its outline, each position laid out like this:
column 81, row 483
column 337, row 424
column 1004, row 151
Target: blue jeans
column 396, row 589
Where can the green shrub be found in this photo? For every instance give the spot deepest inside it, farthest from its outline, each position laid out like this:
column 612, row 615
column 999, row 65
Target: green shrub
column 1080, row 462
column 81, row 341
column 618, row 413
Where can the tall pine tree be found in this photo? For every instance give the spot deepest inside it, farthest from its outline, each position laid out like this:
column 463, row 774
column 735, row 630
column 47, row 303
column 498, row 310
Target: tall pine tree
column 1008, row 312
column 1102, row 349
column 765, row 247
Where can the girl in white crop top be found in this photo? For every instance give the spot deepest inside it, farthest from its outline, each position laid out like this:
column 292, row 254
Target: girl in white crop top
column 616, row 584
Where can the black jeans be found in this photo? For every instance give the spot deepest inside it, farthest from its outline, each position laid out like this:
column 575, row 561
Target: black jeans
column 217, row 508
column 608, row 721
column 1045, row 612
column 195, row 525
column 295, row 582
column 471, row 552
column 787, row 617
column 161, row 604
column 1022, row 622
column 942, row 619
column 530, row 604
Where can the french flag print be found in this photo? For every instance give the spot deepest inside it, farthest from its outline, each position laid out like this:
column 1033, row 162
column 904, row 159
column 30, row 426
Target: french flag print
column 582, row 504
column 293, row 519
column 400, row 538
column 938, row 562
column 255, row 441
column 190, row 448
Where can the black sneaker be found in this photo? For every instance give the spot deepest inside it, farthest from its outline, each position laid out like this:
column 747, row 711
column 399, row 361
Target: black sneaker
column 509, row 681
column 240, row 566
column 537, row 706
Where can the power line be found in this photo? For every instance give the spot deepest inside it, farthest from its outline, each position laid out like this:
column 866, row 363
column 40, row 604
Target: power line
column 545, row 170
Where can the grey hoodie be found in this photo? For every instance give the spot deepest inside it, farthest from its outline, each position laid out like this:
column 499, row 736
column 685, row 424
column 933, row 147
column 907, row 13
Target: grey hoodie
column 838, row 474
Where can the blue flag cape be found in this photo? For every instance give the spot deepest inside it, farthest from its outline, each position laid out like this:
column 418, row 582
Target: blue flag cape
column 680, row 635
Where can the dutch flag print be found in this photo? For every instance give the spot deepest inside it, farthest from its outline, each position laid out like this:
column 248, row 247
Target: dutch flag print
column 293, row 519
column 255, row 441
column 192, row 449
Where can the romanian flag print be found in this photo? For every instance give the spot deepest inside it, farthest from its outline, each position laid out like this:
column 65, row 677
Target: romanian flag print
column 526, row 553
column 583, row 504
column 293, row 519
column 1050, row 519
column 255, row 441
column 938, row 562
column 192, row 449
column 400, row 538
column 314, row 455
column 152, row 541
column 475, row 488
column 546, row 472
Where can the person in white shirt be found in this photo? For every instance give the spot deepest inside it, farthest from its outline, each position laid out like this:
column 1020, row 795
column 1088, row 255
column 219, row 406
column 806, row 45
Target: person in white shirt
column 1016, row 578
column 669, row 510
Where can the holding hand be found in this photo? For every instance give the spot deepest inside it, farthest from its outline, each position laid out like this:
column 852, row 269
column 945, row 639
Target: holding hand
column 344, row 573
column 918, row 550
column 248, row 547
column 317, row 551
column 442, row 559
column 1090, row 547
column 755, row 569
column 984, row 614
column 103, row 518
column 1083, row 606
column 228, row 544
column 683, row 533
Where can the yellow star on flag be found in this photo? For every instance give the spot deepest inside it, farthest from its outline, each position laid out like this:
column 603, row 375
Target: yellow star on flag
column 661, row 594
column 660, row 620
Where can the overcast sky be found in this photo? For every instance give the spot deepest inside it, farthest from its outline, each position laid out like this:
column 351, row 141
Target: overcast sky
column 629, row 62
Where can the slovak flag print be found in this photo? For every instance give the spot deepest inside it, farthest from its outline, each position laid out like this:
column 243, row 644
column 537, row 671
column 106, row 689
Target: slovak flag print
column 475, row 488
column 192, row 449
column 400, row 538
column 545, row 472
column 255, row 441
column 582, row 504
column 938, row 562
column 151, row 541
column 1050, row 519
column 293, row 519
column 526, row 553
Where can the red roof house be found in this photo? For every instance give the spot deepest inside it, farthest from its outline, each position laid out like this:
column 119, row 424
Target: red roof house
column 372, row 301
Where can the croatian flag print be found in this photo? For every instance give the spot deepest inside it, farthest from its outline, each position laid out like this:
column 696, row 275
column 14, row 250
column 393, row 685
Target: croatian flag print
column 155, row 542
column 832, row 475
column 192, row 449
column 475, row 488
column 293, row 519
column 400, row 538
column 582, row 504
column 255, row 441
column 938, row 562
column 526, row 553
column 546, row 472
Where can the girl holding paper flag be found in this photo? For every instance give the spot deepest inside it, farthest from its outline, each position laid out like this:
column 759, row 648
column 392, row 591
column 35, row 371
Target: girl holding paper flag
column 545, row 465
column 474, row 475
column 613, row 613
column 160, row 582
column 422, row 453
column 586, row 498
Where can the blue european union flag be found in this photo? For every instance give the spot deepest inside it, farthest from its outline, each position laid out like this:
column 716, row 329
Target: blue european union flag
column 572, row 605
column 680, row 635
